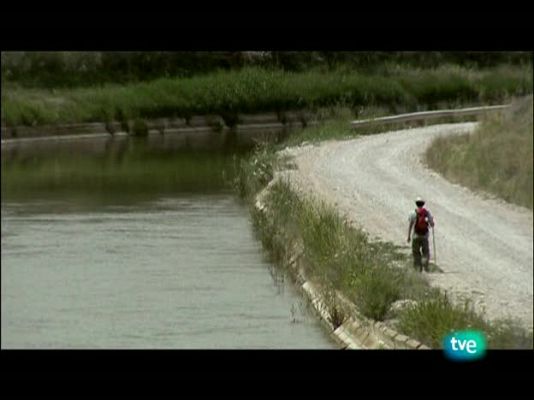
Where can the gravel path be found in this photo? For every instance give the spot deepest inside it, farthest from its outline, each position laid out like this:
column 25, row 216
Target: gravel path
column 484, row 245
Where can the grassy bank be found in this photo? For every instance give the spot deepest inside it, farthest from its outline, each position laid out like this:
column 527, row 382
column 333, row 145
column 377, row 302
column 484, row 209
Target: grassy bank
column 253, row 90
column 371, row 274
column 496, row 158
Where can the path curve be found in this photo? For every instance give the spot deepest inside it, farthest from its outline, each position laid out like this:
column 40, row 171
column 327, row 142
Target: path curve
column 484, row 245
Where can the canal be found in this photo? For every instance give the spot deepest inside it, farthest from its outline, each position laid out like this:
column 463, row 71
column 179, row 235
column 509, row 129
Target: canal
column 141, row 251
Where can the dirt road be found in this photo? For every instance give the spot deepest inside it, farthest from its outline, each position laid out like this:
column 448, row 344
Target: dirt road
column 484, row 245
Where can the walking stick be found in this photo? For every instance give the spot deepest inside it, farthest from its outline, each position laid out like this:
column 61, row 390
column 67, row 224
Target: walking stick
column 434, row 242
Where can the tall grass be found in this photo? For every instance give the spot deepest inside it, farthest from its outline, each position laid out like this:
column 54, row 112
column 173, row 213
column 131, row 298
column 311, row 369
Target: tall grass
column 433, row 318
column 430, row 320
column 252, row 90
column 497, row 157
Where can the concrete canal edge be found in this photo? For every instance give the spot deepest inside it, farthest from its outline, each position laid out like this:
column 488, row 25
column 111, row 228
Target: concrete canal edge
column 198, row 132
column 357, row 331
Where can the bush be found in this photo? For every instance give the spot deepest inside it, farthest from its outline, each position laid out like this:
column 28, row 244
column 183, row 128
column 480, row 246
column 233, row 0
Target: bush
column 375, row 289
column 254, row 172
column 430, row 320
column 336, row 313
column 509, row 334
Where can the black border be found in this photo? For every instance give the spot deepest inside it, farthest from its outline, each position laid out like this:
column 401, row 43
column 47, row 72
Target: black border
column 309, row 364
column 359, row 374
column 458, row 30
column 335, row 39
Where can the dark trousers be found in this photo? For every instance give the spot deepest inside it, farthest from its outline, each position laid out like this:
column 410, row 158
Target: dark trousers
column 420, row 243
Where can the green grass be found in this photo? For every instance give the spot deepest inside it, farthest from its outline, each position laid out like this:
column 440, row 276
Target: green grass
column 497, row 158
column 253, row 90
column 433, row 318
column 333, row 123
column 255, row 172
column 508, row 334
column 374, row 289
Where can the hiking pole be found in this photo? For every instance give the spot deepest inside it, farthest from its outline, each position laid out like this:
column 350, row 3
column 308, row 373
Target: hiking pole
column 434, row 242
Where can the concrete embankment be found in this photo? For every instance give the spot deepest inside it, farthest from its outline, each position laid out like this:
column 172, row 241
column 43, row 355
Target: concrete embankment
column 199, row 132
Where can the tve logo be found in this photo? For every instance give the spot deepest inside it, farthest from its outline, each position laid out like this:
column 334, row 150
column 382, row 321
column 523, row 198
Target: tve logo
column 465, row 345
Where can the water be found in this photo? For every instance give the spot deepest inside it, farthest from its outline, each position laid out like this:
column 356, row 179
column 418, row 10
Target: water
column 180, row 271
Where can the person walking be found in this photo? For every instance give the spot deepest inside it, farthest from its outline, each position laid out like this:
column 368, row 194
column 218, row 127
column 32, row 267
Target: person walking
column 420, row 219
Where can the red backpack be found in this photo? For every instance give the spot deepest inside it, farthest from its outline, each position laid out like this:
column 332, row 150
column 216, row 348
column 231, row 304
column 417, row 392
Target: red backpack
column 421, row 221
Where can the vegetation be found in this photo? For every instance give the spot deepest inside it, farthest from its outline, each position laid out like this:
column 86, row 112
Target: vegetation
column 73, row 68
column 430, row 320
column 255, row 90
column 496, row 158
